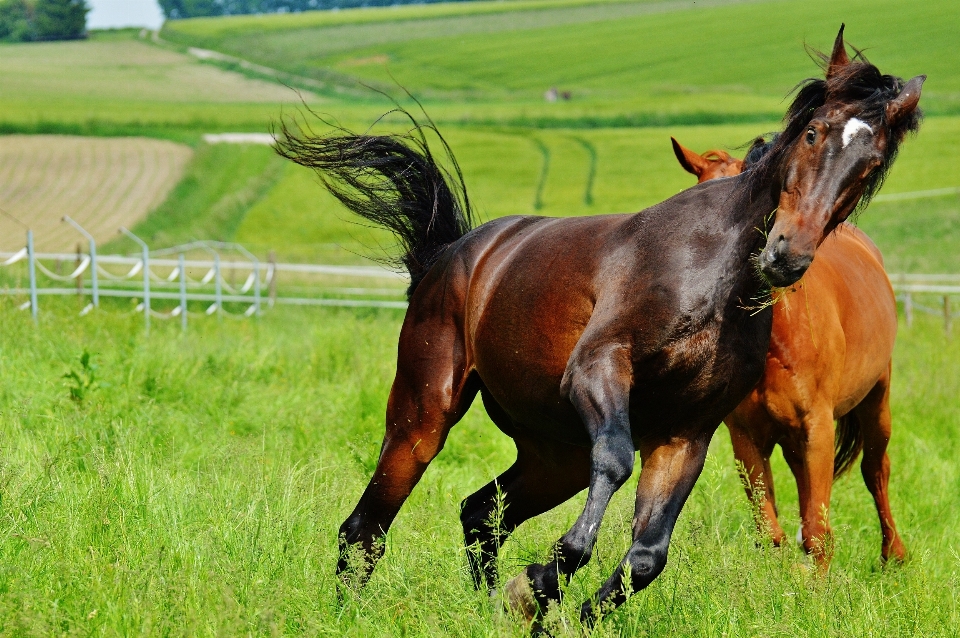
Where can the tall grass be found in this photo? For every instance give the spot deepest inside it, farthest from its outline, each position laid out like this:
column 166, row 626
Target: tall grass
column 198, row 485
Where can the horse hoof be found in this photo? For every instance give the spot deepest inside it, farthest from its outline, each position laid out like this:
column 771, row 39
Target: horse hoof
column 518, row 597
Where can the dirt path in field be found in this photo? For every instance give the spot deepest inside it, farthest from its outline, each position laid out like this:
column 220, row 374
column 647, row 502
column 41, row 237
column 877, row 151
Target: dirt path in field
column 102, row 183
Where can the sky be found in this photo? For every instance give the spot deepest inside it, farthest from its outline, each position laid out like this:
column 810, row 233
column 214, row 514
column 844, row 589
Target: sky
column 106, row 14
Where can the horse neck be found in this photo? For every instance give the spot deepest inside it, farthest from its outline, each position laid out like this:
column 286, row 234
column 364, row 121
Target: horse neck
column 748, row 219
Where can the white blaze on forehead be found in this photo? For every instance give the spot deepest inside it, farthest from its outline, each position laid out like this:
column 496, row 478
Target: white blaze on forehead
column 853, row 127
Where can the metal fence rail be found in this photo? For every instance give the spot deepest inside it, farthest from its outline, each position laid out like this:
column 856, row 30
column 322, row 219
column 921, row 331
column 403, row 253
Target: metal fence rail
column 175, row 274
column 165, row 275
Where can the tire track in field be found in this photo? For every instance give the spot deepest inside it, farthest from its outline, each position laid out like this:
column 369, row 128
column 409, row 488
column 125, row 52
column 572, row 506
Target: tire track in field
column 103, row 183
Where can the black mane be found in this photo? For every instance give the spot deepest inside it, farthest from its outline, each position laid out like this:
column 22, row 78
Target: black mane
column 858, row 82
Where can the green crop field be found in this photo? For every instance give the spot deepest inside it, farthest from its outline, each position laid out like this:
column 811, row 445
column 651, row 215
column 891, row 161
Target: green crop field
column 192, row 484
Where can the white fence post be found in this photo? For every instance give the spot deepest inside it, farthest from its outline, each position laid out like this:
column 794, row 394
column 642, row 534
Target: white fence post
column 183, row 294
column 908, row 309
column 218, row 292
column 93, row 259
column 256, row 287
column 32, row 268
column 146, row 275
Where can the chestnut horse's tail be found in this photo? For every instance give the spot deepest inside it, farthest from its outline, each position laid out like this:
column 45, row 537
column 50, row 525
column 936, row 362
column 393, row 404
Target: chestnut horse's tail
column 848, row 442
column 393, row 181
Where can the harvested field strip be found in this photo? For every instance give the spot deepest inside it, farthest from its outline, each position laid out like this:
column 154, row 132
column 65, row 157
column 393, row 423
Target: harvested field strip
column 101, row 183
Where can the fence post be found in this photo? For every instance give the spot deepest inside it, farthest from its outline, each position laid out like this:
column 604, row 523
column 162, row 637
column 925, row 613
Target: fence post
column 947, row 318
column 79, row 275
column 218, row 287
column 93, row 259
column 256, row 288
column 146, row 275
column 908, row 309
column 183, row 294
column 32, row 268
column 272, row 273
column 93, row 273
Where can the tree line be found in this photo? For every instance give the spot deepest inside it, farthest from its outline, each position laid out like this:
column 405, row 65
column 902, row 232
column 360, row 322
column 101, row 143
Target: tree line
column 28, row 20
column 194, row 8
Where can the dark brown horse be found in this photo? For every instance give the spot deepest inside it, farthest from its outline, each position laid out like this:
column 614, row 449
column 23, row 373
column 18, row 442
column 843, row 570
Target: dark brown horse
column 829, row 359
column 591, row 338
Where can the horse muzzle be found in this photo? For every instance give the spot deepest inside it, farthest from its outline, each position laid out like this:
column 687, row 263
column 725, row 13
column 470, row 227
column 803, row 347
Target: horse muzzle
column 780, row 265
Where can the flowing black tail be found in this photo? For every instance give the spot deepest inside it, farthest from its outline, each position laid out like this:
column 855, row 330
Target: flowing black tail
column 848, row 442
column 393, row 181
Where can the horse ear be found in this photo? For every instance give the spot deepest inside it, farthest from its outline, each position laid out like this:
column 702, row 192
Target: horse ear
column 905, row 103
column 839, row 57
column 690, row 161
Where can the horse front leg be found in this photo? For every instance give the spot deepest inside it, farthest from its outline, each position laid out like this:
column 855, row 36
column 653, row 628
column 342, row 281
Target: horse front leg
column 809, row 452
column 746, row 426
column 599, row 390
column 670, row 470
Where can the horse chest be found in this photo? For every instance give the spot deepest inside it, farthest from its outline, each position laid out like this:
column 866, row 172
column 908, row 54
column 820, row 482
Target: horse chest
column 699, row 376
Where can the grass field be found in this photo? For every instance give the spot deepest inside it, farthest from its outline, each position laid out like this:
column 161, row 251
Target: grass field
column 520, row 155
column 197, row 487
column 618, row 58
column 116, row 84
column 192, row 484
column 101, row 183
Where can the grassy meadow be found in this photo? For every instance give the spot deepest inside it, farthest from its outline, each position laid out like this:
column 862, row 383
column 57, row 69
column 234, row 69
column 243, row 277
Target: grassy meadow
column 196, row 484
column 192, row 484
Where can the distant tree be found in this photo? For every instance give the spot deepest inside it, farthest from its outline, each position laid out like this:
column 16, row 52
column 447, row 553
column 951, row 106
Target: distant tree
column 191, row 8
column 16, row 21
column 60, row 19
column 194, row 8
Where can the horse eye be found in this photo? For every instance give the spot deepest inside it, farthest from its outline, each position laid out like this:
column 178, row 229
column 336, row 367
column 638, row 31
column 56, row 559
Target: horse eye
column 811, row 135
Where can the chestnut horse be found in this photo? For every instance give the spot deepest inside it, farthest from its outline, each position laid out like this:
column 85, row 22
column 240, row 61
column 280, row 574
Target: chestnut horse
column 829, row 359
column 590, row 338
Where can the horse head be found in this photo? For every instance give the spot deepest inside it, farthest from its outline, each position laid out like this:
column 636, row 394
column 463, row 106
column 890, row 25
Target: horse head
column 710, row 165
column 841, row 136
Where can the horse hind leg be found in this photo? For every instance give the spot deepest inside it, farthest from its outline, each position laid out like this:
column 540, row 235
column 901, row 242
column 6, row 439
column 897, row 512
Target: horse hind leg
column 543, row 476
column 873, row 413
column 430, row 394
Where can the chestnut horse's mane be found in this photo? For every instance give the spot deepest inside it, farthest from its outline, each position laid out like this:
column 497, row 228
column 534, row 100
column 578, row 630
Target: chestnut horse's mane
column 858, row 82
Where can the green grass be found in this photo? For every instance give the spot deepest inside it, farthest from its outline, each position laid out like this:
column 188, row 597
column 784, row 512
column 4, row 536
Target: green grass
column 221, row 183
column 634, row 168
column 919, row 236
column 117, row 84
column 120, row 85
column 198, row 488
column 621, row 58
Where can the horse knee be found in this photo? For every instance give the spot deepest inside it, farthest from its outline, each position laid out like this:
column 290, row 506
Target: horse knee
column 645, row 564
column 614, row 460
